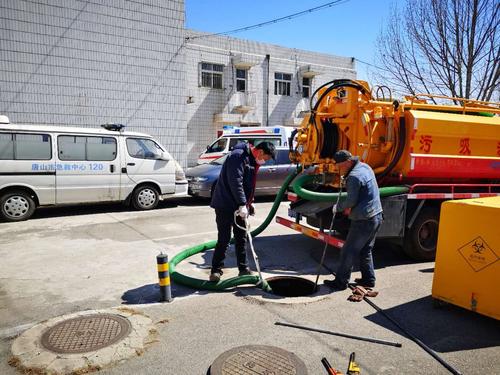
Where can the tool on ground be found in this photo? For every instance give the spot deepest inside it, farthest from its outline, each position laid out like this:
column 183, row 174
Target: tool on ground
column 334, row 213
column 408, row 334
column 414, row 339
column 329, row 369
column 359, row 293
column 246, row 228
column 362, row 338
column 352, row 367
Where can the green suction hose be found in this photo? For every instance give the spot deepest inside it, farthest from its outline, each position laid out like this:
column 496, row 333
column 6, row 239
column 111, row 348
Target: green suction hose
column 250, row 279
column 298, row 184
column 233, row 281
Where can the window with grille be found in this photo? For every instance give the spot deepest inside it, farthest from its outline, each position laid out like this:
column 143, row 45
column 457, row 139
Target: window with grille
column 306, row 87
column 241, row 80
column 282, row 83
column 211, row 75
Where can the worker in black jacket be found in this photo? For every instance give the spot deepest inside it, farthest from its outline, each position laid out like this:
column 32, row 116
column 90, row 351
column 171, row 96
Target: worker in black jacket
column 234, row 193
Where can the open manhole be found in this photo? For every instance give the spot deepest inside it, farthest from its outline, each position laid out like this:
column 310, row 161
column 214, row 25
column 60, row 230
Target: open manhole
column 291, row 286
column 257, row 360
column 86, row 333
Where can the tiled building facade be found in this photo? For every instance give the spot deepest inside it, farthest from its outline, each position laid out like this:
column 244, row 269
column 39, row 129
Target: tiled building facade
column 239, row 82
column 85, row 63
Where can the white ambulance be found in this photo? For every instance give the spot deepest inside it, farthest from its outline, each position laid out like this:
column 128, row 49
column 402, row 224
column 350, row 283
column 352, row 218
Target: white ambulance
column 231, row 135
column 43, row 165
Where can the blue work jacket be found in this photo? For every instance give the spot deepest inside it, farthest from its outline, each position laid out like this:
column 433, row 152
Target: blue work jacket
column 236, row 184
column 363, row 196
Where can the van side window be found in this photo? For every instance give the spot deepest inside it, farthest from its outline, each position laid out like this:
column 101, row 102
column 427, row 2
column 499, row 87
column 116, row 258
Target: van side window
column 21, row 146
column 86, row 148
column 142, row 148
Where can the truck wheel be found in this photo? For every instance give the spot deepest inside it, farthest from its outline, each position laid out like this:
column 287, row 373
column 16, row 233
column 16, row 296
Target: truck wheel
column 421, row 239
column 16, row 206
column 145, row 197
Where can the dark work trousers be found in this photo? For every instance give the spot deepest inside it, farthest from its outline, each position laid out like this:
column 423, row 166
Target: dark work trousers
column 359, row 244
column 225, row 221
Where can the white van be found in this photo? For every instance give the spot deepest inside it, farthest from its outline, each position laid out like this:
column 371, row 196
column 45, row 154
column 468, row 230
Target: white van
column 43, row 165
column 231, row 135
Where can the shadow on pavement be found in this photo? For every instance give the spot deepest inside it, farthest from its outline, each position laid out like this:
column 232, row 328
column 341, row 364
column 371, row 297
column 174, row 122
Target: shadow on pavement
column 445, row 329
column 100, row 208
column 142, row 295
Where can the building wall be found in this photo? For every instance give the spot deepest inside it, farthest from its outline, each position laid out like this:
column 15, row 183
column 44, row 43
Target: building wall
column 85, row 63
column 209, row 109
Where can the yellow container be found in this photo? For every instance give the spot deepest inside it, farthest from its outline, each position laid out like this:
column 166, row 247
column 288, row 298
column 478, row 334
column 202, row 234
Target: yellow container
column 467, row 271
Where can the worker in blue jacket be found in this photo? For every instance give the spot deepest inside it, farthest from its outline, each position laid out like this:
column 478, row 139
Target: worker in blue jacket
column 234, row 193
column 365, row 212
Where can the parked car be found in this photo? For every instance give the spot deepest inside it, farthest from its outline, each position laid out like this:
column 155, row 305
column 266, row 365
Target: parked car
column 270, row 177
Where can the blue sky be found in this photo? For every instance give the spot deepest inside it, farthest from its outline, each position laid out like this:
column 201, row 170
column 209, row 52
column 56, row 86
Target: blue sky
column 348, row 29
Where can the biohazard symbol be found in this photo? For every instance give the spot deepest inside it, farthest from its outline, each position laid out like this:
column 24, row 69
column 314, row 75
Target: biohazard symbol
column 478, row 247
column 478, row 254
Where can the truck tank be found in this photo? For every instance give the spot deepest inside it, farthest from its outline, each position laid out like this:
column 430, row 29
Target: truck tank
column 410, row 141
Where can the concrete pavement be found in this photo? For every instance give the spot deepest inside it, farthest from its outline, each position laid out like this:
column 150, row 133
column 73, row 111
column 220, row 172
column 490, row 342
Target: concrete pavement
column 75, row 259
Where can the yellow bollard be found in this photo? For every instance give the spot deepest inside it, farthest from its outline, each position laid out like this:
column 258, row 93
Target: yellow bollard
column 164, row 277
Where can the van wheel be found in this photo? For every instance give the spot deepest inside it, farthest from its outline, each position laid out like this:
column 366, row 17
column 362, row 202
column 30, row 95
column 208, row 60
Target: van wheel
column 421, row 239
column 145, row 197
column 16, row 206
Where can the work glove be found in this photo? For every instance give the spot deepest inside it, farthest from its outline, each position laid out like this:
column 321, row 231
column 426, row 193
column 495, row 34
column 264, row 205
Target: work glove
column 242, row 212
column 251, row 210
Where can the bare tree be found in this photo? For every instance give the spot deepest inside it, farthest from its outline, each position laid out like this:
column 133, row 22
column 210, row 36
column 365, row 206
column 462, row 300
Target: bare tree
column 447, row 47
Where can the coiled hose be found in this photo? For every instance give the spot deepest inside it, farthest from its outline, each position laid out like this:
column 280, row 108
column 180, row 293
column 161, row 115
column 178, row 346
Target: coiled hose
column 233, row 281
column 251, row 279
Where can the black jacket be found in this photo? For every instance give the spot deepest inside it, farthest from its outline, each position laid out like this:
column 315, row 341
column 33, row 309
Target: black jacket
column 236, row 182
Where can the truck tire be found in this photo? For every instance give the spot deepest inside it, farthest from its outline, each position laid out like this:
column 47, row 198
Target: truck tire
column 421, row 239
column 16, row 206
column 145, row 197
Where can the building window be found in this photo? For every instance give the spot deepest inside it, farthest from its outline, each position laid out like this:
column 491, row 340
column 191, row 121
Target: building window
column 211, row 75
column 306, row 87
column 241, row 80
column 282, row 83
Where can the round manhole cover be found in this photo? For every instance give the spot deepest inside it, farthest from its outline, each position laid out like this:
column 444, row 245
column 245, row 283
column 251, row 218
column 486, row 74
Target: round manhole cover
column 258, row 359
column 86, row 333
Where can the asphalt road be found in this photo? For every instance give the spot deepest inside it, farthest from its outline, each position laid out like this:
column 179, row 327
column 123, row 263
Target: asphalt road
column 66, row 260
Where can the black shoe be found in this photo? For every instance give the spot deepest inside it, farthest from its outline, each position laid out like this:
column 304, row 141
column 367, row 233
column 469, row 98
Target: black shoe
column 363, row 283
column 245, row 272
column 215, row 276
column 334, row 285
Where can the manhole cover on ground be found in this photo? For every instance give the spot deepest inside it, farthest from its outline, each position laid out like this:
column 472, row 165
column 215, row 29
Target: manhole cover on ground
column 86, row 333
column 258, row 359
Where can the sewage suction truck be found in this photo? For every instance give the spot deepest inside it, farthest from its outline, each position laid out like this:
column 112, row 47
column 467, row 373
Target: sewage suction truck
column 424, row 149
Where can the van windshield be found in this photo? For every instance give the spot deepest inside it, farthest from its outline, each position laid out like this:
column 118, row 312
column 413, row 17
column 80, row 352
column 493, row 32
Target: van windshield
column 218, row 146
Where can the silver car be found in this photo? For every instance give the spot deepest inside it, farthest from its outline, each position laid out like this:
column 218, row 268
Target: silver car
column 270, row 177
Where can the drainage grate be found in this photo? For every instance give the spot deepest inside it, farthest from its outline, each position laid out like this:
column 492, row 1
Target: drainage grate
column 258, row 360
column 86, row 333
column 291, row 286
